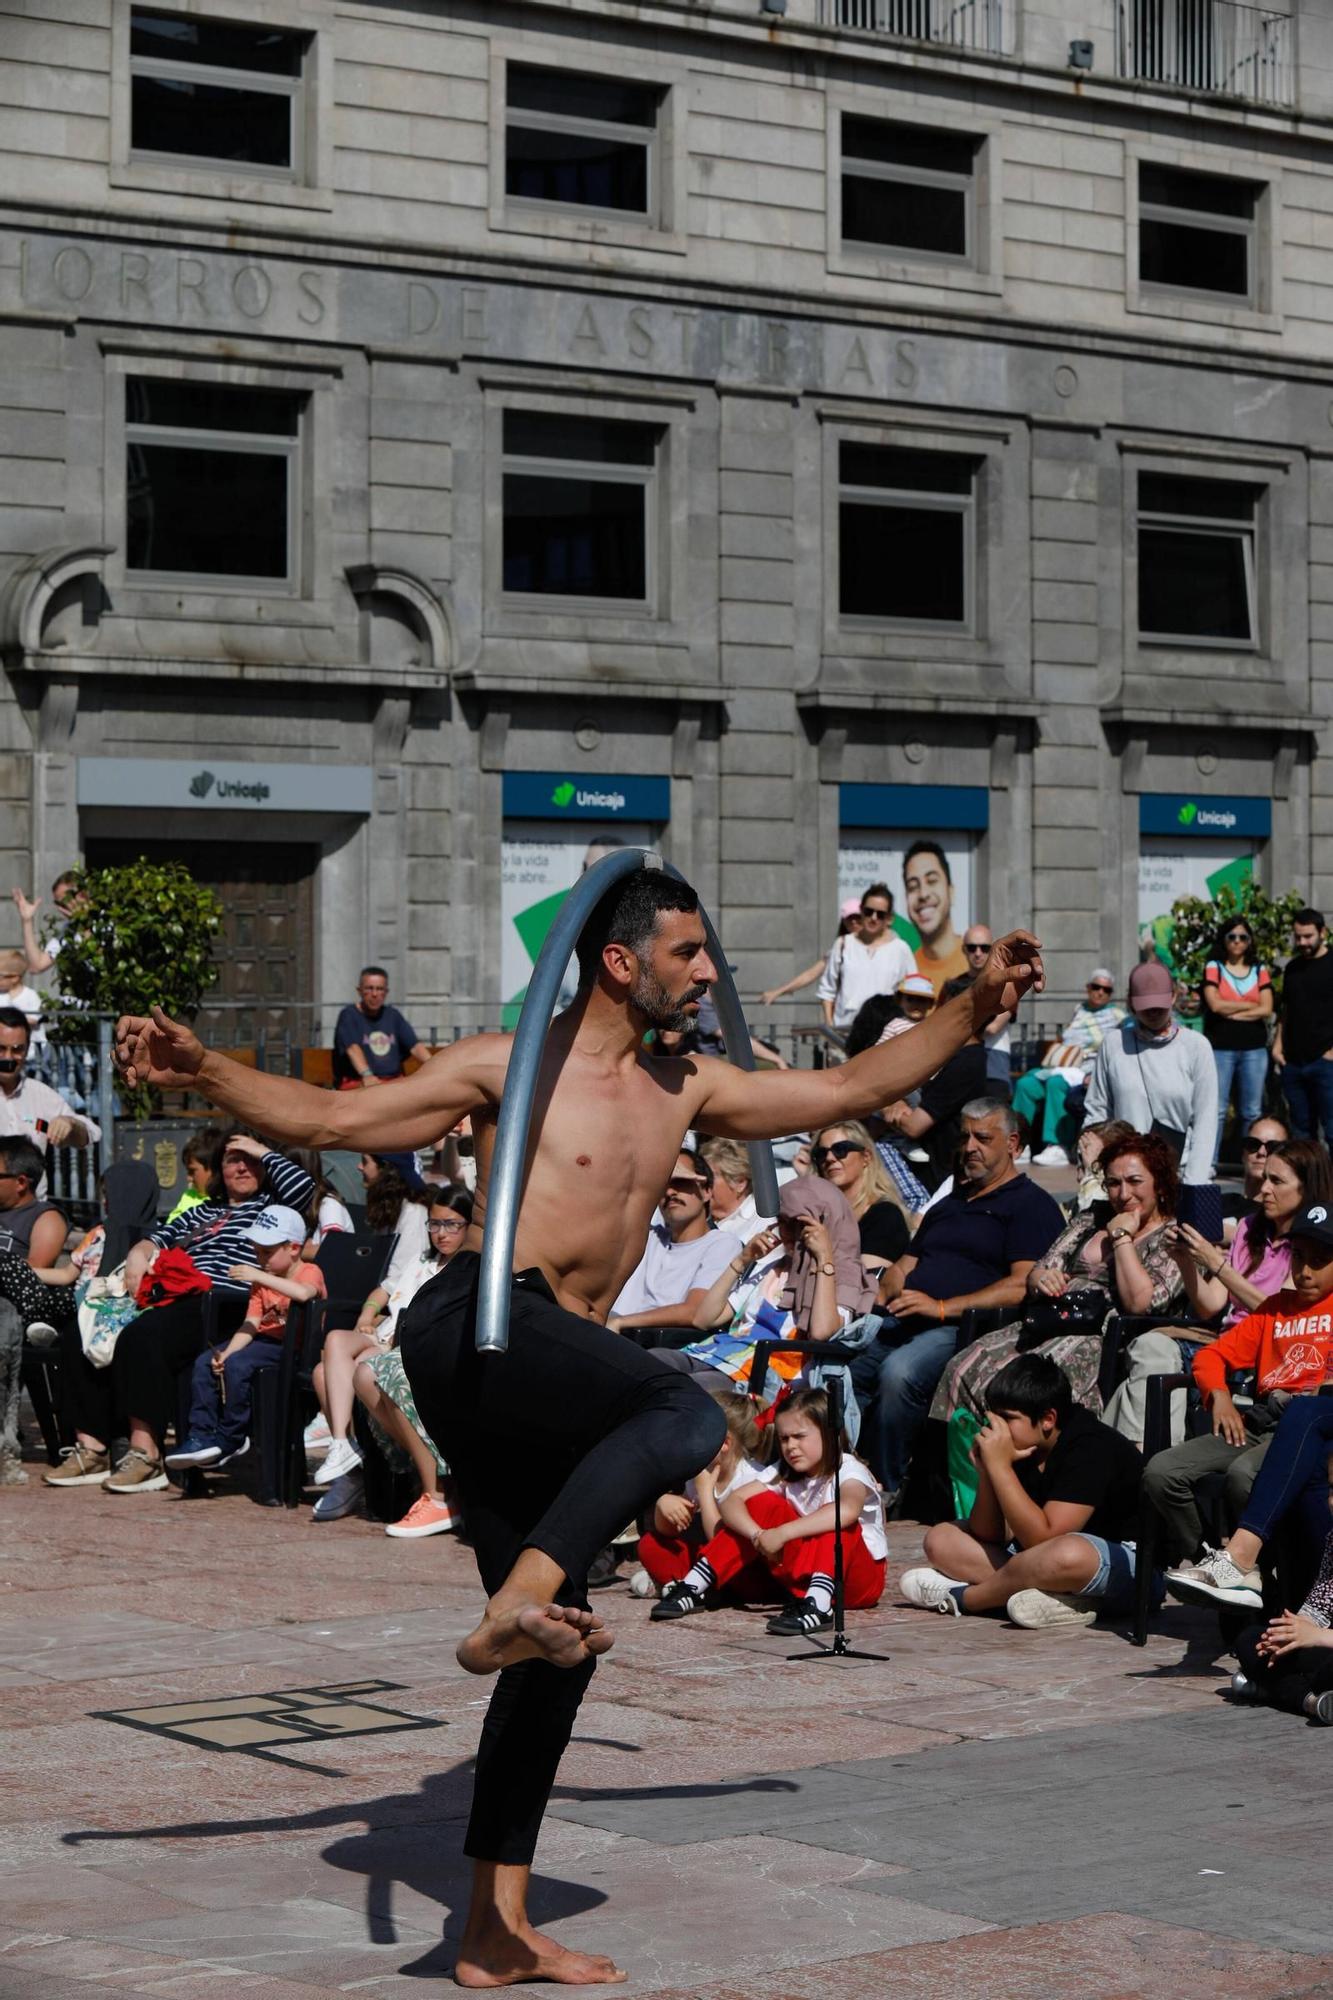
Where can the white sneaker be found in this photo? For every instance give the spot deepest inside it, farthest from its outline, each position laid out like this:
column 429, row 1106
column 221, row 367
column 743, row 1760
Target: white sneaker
column 1036, row 1610
column 1024, row 1158
column 317, row 1437
column 931, row 1590
column 1051, row 1156
column 642, row 1585
column 343, row 1457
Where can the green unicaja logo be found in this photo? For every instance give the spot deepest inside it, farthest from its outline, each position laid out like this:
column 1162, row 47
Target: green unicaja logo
column 1188, row 813
column 563, row 795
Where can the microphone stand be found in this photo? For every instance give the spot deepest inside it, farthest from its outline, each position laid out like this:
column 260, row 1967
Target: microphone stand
column 839, row 1650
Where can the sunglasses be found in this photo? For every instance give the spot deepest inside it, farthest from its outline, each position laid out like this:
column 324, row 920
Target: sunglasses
column 976, row 947
column 873, row 911
column 841, row 1149
column 1258, row 1145
column 1099, row 986
column 1239, row 937
column 686, row 1183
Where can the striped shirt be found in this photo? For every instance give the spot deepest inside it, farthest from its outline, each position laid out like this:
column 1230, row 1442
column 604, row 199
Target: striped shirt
column 214, row 1233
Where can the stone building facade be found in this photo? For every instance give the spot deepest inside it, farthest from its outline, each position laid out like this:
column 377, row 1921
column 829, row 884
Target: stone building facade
column 434, row 438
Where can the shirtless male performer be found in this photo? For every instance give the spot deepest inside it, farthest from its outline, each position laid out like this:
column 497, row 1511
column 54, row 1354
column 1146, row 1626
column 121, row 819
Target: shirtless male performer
column 559, row 1442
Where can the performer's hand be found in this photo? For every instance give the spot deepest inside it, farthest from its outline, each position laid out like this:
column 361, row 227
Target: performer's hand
column 158, row 1051
column 1013, row 969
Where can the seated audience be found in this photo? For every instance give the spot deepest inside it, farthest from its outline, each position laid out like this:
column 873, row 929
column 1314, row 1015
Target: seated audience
column 1288, row 1342
column 201, row 1158
column 1263, row 1134
column 223, row 1377
column 327, row 1215
column 1223, row 1284
column 167, row 1337
column 1288, row 1662
column 801, row 1280
column 29, row 1108
column 935, row 1122
column 1089, row 1149
column 381, row 1385
column 1158, row 1076
column 396, row 1198
column 973, row 1248
column 845, row 1155
column 683, row 1522
column 1041, row 1095
column 1119, row 1261
column 683, row 1255
column 1050, row 1538
column 733, row 1207
column 32, row 1235
column 776, row 1538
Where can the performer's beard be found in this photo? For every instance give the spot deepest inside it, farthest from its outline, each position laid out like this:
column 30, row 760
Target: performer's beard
column 651, row 999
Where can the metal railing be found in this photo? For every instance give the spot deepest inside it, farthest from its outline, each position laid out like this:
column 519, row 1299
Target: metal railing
column 960, row 24
column 1221, row 46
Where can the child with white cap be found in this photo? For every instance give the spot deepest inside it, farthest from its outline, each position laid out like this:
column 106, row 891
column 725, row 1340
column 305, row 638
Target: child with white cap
column 220, row 1406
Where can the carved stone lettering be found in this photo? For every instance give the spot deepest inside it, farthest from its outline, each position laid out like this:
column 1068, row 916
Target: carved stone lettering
column 423, row 308
column 134, row 295
column 311, row 310
column 642, row 341
column 588, row 333
column 905, row 370
column 251, row 290
column 474, row 302
column 73, row 273
column 190, row 277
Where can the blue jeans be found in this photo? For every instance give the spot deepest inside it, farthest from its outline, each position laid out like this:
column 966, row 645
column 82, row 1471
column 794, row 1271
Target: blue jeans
column 894, row 1389
column 1308, row 1088
column 1250, row 1067
column 1294, row 1472
column 213, row 1420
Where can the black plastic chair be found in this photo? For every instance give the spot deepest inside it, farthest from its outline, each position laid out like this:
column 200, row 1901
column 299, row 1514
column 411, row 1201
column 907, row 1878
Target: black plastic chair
column 39, row 1374
column 1121, row 1329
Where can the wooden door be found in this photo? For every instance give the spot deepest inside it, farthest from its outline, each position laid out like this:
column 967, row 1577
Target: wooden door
column 265, row 951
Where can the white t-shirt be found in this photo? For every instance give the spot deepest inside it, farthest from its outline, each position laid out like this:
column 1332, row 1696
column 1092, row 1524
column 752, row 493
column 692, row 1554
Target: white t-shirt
column 332, row 1219
column 816, row 1491
column 412, row 1241
column 667, row 1271
column 855, row 974
column 745, row 1220
column 29, row 1002
column 747, row 1473
column 414, row 1277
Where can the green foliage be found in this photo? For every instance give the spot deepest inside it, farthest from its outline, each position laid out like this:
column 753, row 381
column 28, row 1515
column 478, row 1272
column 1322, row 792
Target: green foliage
column 1195, row 924
column 141, row 937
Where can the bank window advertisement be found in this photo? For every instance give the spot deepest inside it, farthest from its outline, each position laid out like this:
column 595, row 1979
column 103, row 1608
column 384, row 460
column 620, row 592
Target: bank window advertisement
column 555, row 826
column 1194, row 846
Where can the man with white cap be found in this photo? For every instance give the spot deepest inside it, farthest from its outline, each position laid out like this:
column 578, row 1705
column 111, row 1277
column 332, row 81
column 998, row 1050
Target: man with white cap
column 1158, row 1076
column 219, row 1427
column 1040, row 1096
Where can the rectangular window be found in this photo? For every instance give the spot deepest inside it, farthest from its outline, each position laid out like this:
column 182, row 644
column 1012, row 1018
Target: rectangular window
column 210, row 92
column 908, row 189
column 1197, row 233
column 581, row 141
column 578, row 506
column 1197, row 560
column 211, row 481
column 906, row 535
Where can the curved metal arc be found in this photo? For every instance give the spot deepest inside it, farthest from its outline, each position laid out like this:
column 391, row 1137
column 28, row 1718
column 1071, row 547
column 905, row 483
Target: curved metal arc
column 516, row 1105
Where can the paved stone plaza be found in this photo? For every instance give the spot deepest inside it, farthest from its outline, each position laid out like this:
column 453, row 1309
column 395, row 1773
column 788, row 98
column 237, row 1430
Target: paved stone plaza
column 987, row 1813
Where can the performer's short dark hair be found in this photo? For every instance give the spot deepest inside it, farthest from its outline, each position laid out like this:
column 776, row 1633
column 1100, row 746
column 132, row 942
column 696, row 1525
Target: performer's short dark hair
column 627, row 914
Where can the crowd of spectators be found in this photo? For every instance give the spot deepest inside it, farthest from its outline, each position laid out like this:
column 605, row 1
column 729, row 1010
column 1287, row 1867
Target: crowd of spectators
column 990, row 1339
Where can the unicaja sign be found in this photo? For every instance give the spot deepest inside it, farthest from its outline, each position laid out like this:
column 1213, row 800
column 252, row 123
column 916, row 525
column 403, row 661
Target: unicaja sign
column 227, row 788
column 569, row 794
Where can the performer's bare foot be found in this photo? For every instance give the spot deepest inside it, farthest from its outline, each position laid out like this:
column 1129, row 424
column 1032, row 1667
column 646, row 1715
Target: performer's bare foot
column 498, row 1957
column 558, row 1633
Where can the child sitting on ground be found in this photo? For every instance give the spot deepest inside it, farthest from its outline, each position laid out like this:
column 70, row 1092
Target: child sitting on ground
column 779, row 1538
column 220, row 1406
column 684, row 1522
column 1289, row 1661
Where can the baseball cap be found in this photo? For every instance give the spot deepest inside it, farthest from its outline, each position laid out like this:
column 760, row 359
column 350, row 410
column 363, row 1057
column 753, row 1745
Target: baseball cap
column 850, row 908
column 915, row 986
column 277, row 1225
column 1150, row 986
column 1316, row 1224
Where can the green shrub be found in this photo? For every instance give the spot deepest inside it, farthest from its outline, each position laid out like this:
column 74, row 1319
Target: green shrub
column 1195, row 924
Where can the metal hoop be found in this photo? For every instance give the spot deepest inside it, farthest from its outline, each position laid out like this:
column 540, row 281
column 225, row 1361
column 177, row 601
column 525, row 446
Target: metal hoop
column 515, row 1118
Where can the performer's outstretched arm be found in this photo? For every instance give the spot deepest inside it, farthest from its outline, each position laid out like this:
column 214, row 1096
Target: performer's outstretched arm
column 409, row 1111
column 735, row 1104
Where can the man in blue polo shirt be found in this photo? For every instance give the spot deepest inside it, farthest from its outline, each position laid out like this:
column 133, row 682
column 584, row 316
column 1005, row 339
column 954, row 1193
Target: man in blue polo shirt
column 372, row 1039
column 974, row 1248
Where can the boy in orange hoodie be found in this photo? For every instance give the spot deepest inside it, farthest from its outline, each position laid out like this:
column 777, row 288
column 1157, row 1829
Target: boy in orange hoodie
column 1288, row 1341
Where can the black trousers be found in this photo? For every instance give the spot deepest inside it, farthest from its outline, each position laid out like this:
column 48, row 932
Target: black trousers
column 159, row 1346
column 1285, row 1682
column 555, row 1446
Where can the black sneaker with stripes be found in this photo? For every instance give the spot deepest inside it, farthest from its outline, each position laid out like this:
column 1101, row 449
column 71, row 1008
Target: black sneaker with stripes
column 677, row 1602
column 798, row 1620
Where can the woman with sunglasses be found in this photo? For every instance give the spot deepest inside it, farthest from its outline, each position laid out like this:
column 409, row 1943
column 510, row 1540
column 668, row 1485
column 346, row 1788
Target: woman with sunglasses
column 846, row 1156
column 1237, row 1008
